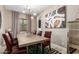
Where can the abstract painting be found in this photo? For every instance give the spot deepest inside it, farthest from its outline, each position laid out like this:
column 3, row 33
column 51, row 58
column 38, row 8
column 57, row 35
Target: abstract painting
column 56, row 18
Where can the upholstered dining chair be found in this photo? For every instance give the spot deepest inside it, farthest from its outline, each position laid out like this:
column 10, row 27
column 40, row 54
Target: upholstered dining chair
column 34, row 32
column 15, row 41
column 39, row 33
column 47, row 35
column 10, row 48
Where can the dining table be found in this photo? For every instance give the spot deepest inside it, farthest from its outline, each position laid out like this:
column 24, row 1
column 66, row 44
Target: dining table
column 27, row 40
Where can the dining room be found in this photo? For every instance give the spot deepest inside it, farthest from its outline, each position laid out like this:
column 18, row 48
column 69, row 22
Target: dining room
column 19, row 32
column 38, row 29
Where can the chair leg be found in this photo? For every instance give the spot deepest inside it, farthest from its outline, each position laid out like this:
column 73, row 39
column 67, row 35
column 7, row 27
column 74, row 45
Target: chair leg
column 27, row 50
column 49, row 48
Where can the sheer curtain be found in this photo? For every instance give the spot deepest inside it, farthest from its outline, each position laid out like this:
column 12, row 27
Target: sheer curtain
column 29, row 24
column 15, row 17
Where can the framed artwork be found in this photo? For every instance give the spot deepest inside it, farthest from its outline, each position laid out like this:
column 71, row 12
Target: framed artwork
column 56, row 18
column 39, row 22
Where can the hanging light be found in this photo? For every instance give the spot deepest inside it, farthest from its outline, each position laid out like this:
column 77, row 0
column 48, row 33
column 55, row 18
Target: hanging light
column 28, row 7
column 34, row 14
column 23, row 11
column 32, row 17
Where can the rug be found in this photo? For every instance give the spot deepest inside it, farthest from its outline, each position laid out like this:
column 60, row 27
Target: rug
column 72, row 50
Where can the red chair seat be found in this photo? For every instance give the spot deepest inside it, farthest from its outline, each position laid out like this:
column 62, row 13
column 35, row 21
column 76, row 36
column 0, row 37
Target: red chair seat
column 12, row 49
column 15, row 50
column 47, row 35
column 46, row 43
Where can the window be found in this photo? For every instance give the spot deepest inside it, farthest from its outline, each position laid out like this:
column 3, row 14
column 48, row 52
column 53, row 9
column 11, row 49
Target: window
column 23, row 25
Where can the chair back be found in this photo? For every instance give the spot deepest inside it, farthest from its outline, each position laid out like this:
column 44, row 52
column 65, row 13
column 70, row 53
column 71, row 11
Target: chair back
column 7, row 42
column 34, row 32
column 47, row 34
column 10, row 35
column 14, row 41
column 40, row 33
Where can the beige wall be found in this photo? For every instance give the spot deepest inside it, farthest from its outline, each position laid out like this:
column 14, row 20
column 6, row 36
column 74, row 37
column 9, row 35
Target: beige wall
column 72, row 12
column 6, row 19
column 6, row 24
column 21, row 15
column 33, row 24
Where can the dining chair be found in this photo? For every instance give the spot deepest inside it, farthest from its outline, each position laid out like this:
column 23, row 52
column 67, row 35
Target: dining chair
column 39, row 33
column 47, row 42
column 47, row 35
column 10, row 48
column 34, row 32
column 15, row 41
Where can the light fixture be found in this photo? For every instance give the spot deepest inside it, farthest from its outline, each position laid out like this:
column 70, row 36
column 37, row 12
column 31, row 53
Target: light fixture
column 34, row 14
column 28, row 7
column 23, row 11
column 32, row 17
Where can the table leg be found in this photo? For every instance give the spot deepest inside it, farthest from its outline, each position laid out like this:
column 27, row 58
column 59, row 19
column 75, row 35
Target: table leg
column 27, row 49
column 41, row 48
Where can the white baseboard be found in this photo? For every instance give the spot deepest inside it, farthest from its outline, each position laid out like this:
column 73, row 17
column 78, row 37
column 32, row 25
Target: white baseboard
column 59, row 48
column 74, row 46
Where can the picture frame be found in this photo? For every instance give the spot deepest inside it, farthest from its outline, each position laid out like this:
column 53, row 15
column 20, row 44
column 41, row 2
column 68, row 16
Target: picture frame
column 56, row 18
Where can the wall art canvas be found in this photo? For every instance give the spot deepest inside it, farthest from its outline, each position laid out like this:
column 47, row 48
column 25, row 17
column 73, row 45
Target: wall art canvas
column 39, row 22
column 56, row 18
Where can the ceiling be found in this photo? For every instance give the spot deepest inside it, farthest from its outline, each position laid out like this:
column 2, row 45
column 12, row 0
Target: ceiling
column 33, row 8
